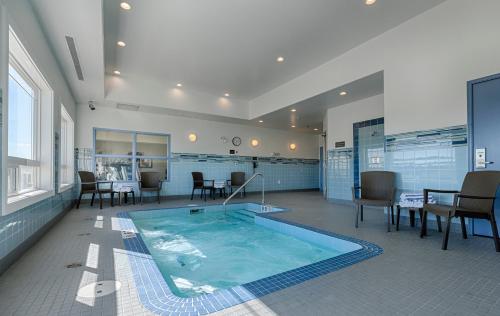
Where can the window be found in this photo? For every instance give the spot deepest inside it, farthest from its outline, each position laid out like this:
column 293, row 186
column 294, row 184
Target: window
column 119, row 155
column 28, row 150
column 66, row 164
column 23, row 161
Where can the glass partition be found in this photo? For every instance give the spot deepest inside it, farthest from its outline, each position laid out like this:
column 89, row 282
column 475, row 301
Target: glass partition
column 120, row 155
column 113, row 142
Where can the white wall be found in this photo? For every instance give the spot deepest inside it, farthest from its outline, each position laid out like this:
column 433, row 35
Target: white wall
column 130, row 89
column 209, row 133
column 341, row 118
column 426, row 62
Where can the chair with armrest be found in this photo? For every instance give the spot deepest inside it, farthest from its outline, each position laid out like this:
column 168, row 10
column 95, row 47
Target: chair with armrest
column 237, row 180
column 476, row 199
column 377, row 189
column 201, row 184
column 150, row 181
column 89, row 185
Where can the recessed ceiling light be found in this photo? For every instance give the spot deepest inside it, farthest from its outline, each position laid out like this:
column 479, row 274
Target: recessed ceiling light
column 316, row 129
column 125, row 6
column 121, row 43
column 116, row 72
column 293, row 110
column 261, row 121
column 179, row 85
column 226, row 95
column 293, row 126
column 370, row 2
column 280, row 59
column 343, row 93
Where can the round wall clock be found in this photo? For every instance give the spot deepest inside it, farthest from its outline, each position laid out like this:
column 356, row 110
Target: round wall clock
column 236, row 141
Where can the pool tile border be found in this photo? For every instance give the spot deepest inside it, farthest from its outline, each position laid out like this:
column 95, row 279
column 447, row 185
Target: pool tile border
column 156, row 296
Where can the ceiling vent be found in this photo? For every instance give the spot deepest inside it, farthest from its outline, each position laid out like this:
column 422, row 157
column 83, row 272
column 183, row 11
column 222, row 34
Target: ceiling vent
column 127, row 107
column 74, row 55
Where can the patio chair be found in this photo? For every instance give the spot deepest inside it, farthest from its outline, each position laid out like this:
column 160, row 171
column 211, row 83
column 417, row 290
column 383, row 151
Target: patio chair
column 475, row 200
column 150, row 181
column 377, row 189
column 89, row 185
column 200, row 184
column 237, row 180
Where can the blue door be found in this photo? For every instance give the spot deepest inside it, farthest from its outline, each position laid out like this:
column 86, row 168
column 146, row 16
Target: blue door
column 484, row 133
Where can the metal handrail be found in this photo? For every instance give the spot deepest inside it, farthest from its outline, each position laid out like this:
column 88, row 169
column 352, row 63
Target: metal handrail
column 244, row 185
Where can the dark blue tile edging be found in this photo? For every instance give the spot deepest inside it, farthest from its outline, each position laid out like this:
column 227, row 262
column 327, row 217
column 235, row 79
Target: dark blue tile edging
column 155, row 294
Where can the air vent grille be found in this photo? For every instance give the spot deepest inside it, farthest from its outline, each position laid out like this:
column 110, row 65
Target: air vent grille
column 128, row 107
column 74, row 55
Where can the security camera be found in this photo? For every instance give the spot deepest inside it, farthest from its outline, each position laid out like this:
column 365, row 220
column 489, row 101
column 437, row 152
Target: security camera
column 91, row 105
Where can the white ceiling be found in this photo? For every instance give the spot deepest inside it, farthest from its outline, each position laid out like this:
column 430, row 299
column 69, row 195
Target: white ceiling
column 232, row 45
column 215, row 46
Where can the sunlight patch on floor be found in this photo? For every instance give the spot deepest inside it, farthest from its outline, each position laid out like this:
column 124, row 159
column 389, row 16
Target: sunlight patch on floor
column 87, row 278
column 93, row 256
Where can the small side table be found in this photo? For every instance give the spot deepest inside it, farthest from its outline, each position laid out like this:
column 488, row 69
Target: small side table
column 412, row 210
column 221, row 186
column 125, row 191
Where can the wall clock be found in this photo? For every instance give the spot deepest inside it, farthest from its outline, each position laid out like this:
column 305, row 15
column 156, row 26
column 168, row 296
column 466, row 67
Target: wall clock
column 236, row 141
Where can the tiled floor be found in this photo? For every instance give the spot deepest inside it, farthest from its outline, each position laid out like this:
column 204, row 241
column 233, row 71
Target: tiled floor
column 412, row 277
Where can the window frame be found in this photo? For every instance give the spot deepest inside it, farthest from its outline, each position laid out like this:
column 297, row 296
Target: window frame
column 134, row 157
column 21, row 61
column 66, row 148
column 17, row 162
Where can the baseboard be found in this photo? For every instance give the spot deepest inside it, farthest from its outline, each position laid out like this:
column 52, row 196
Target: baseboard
column 15, row 254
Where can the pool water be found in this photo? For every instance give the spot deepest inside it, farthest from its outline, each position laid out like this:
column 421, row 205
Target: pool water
column 210, row 250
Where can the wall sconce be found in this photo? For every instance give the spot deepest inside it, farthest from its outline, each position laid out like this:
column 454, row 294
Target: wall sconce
column 254, row 142
column 292, row 146
column 192, row 137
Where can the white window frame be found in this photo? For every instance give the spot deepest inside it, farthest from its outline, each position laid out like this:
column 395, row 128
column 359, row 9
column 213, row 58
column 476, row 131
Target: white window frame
column 16, row 162
column 43, row 156
column 66, row 150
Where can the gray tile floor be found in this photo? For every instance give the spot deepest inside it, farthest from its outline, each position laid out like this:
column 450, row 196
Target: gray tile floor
column 412, row 277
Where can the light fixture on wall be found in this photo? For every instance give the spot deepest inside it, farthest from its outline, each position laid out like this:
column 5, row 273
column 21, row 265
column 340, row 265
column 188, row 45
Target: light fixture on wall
column 192, row 137
column 280, row 59
column 125, row 6
column 370, row 2
column 179, row 85
column 121, row 44
column 254, row 142
column 117, row 72
column 343, row 93
column 292, row 146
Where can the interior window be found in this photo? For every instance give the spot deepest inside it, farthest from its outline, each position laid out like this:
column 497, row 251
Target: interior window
column 119, row 155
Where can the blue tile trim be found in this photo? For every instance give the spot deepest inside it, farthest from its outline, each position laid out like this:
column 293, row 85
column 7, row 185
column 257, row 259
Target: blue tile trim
column 155, row 294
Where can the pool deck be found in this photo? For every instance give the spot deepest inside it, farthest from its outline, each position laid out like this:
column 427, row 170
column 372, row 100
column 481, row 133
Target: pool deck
column 411, row 277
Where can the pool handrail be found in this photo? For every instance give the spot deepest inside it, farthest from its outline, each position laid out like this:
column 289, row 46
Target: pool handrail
column 244, row 185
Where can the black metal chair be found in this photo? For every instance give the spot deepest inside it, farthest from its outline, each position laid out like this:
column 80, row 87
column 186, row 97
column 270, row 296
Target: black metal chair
column 200, row 184
column 476, row 199
column 89, row 185
column 237, row 180
column 377, row 189
column 150, row 181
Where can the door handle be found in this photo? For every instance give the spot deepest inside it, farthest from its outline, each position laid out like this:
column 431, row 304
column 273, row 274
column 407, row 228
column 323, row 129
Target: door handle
column 489, row 162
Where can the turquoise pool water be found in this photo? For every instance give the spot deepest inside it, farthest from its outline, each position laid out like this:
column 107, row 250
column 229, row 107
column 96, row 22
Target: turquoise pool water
column 210, row 250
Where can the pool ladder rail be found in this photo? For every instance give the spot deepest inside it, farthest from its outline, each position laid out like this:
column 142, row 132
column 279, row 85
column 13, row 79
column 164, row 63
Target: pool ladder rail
column 255, row 175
